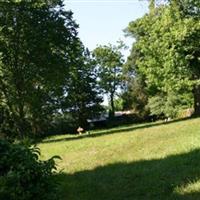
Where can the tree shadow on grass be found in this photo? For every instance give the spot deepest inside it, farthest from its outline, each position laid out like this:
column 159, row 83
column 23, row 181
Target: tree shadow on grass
column 114, row 131
column 155, row 179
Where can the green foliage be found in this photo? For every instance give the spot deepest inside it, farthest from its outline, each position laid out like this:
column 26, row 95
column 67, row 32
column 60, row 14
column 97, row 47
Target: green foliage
column 166, row 51
column 135, row 96
column 156, row 105
column 83, row 94
column 169, row 105
column 23, row 176
column 118, row 104
column 189, row 7
column 38, row 41
column 109, row 62
column 44, row 69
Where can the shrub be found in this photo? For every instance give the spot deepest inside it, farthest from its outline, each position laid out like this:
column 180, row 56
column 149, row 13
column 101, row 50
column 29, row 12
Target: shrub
column 169, row 105
column 23, row 176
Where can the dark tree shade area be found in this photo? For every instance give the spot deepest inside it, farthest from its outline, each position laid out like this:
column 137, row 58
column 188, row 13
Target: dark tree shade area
column 42, row 64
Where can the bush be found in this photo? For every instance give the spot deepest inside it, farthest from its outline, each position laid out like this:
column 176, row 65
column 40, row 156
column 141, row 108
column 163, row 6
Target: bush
column 169, row 105
column 23, row 176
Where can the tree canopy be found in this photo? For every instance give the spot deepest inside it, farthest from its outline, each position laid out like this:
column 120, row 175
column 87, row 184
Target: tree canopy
column 40, row 53
column 109, row 66
column 83, row 94
column 166, row 51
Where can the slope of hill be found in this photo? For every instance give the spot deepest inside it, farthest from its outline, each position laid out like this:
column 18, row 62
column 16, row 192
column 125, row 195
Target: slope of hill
column 152, row 161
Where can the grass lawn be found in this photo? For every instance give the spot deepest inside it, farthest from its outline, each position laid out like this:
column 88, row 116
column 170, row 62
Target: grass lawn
column 155, row 161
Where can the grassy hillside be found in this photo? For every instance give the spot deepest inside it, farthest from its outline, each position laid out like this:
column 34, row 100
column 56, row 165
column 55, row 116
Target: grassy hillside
column 152, row 161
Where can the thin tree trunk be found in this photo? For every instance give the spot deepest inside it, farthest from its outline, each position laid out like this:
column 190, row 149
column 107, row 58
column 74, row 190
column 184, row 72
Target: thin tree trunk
column 196, row 93
column 112, row 106
column 21, row 121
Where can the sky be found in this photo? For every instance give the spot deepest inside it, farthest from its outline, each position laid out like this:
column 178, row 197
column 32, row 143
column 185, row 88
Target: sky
column 103, row 21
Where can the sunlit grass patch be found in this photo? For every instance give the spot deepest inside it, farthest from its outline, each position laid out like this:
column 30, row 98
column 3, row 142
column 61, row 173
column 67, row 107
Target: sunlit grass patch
column 189, row 188
column 153, row 161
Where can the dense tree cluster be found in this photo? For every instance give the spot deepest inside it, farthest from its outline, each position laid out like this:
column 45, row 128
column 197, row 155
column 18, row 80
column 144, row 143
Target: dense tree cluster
column 50, row 83
column 44, row 68
column 48, row 79
column 166, row 55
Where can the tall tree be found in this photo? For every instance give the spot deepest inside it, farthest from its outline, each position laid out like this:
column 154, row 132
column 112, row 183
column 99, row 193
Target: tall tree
column 109, row 63
column 135, row 94
column 167, row 48
column 83, row 97
column 37, row 44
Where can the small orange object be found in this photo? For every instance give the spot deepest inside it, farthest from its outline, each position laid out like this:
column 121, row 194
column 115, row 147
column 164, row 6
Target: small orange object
column 80, row 130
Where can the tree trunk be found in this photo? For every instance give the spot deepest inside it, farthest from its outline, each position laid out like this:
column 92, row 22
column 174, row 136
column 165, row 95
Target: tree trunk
column 196, row 93
column 112, row 106
column 22, row 122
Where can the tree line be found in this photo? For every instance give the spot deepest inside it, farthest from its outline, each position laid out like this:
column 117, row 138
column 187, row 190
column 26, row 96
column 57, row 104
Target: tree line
column 164, row 65
column 49, row 80
column 47, row 76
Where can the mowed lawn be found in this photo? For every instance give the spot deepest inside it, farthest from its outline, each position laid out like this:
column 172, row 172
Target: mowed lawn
column 155, row 161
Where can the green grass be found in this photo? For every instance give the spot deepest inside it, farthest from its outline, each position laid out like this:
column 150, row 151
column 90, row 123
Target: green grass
column 152, row 161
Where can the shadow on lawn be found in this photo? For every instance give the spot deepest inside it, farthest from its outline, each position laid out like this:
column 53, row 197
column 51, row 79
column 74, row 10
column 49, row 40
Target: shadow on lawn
column 143, row 180
column 113, row 131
